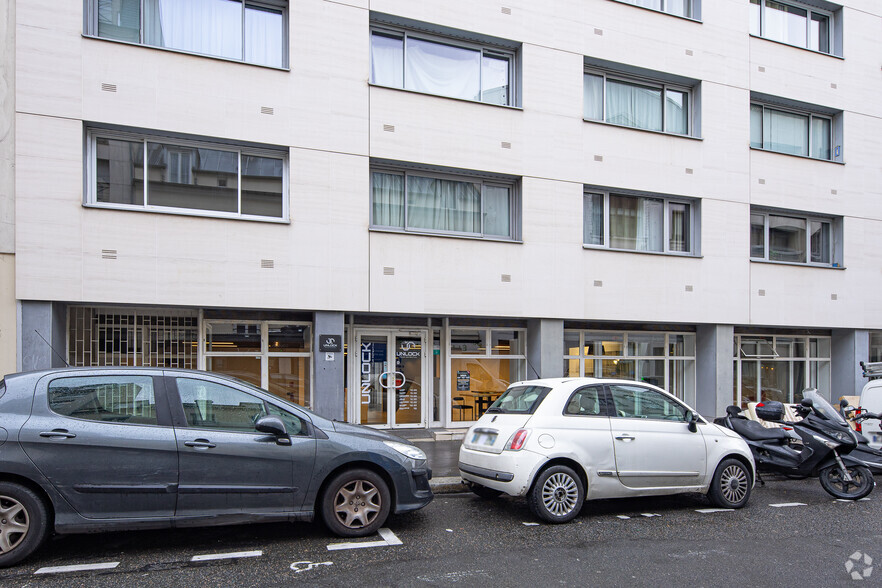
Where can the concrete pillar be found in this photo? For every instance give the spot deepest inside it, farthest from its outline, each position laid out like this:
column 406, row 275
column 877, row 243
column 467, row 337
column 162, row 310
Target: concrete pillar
column 42, row 335
column 545, row 348
column 714, row 377
column 850, row 346
column 328, row 386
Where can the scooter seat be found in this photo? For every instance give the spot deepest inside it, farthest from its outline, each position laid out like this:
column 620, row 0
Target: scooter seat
column 755, row 431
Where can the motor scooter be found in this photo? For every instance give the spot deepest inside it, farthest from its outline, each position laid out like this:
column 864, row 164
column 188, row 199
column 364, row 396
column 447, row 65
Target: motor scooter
column 826, row 444
column 871, row 457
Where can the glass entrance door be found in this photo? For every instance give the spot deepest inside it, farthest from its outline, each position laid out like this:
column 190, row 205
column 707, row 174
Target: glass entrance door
column 390, row 369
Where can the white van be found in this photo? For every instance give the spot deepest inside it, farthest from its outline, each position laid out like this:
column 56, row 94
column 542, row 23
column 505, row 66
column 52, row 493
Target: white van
column 871, row 401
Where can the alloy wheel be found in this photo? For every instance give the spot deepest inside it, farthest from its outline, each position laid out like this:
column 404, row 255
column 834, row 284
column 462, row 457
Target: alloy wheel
column 734, row 483
column 560, row 494
column 14, row 523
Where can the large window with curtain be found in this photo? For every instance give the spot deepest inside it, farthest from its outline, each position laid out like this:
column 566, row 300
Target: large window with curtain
column 637, row 102
column 686, row 8
column 791, row 131
column 253, row 32
column 795, row 237
column 638, row 222
column 801, row 24
column 135, row 170
column 422, row 62
column 458, row 204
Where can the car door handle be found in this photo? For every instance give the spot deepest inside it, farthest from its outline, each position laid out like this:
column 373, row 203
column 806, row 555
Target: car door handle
column 625, row 437
column 58, row 434
column 200, row 444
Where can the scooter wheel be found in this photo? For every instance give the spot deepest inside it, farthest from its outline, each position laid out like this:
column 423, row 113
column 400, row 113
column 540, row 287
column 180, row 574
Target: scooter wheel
column 833, row 481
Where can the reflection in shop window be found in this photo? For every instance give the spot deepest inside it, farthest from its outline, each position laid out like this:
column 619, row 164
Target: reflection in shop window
column 778, row 368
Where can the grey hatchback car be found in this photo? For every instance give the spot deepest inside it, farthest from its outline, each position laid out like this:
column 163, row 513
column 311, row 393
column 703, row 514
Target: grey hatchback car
column 94, row 449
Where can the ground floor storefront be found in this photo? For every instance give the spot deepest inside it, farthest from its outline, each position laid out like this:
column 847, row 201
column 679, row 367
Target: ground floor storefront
column 399, row 372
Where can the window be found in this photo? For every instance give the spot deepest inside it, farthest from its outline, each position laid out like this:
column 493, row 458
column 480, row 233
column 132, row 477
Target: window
column 636, row 402
column 186, row 177
column 110, row 399
column 253, row 32
column 639, row 223
column 637, row 98
column 794, row 237
column 666, row 360
column 686, row 8
column 455, row 204
column 776, row 367
column 424, row 62
column 586, row 402
column 796, row 23
column 208, row 405
column 791, row 131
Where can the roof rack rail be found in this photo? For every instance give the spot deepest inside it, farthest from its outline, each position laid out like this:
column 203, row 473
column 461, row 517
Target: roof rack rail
column 872, row 369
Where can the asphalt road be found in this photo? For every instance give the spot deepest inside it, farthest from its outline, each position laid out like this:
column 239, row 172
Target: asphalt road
column 462, row 540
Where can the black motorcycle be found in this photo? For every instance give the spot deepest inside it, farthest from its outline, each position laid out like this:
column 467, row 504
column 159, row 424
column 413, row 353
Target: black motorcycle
column 818, row 445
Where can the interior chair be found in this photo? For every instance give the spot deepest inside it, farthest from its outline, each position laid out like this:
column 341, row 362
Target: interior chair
column 459, row 403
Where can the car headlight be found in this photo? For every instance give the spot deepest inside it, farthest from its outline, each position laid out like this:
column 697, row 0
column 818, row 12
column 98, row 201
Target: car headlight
column 410, row 451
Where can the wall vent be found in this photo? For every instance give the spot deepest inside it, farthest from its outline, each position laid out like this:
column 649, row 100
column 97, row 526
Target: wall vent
column 598, row 32
column 598, row 283
column 762, row 292
column 689, row 287
column 834, row 297
column 267, row 110
column 506, row 10
column 389, row 128
column 832, row 85
column 834, row 192
column 108, row 87
column 506, row 145
column 598, row 158
column 267, row 263
column 760, row 69
column 108, row 254
column 689, row 52
column 689, row 171
column 388, row 271
column 762, row 180
column 506, row 278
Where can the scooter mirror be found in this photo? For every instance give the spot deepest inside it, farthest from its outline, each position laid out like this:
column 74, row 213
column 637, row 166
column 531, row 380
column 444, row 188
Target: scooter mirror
column 843, row 403
column 807, row 402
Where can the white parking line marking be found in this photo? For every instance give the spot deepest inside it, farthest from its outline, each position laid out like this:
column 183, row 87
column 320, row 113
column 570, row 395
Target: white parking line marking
column 710, row 510
column 77, row 568
column 622, row 517
column 388, row 536
column 233, row 555
column 530, row 524
column 784, row 504
column 649, row 514
column 864, row 499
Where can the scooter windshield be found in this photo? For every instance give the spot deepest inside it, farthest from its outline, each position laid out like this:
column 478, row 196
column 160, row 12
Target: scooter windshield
column 822, row 406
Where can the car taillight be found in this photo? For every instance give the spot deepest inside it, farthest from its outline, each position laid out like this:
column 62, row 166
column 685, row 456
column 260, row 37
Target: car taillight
column 858, row 426
column 516, row 443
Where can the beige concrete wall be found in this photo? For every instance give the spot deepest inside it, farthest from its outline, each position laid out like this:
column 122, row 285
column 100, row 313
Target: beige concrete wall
column 8, row 320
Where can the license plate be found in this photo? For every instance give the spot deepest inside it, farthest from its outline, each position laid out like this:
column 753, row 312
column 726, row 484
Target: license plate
column 483, row 438
column 875, row 439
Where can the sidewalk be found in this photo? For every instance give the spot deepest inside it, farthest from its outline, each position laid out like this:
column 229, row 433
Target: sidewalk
column 443, row 457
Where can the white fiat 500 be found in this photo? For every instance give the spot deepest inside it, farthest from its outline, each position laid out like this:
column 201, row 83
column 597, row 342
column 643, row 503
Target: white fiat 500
column 562, row 441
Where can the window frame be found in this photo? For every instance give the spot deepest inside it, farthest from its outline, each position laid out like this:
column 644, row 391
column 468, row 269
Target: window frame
column 90, row 29
column 91, row 189
column 830, row 15
column 836, row 229
column 514, row 196
column 692, row 203
column 811, row 115
column 644, row 81
column 485, row 49
column 694, row 9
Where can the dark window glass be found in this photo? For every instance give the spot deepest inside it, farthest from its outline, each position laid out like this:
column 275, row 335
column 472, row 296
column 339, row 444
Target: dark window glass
column 215, row 406
column 116, row 399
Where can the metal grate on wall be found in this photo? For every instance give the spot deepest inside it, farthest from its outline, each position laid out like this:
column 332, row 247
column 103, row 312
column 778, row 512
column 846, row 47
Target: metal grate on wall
column 124, row 337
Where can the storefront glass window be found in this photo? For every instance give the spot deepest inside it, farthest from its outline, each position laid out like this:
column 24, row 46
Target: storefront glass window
column 232, row 337
column 875, row 346
column 776, row 368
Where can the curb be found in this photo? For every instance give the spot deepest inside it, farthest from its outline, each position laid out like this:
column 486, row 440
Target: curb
column 448, row 485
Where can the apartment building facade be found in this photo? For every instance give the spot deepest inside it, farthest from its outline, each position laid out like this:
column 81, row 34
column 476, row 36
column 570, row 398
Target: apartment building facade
column 387, row 211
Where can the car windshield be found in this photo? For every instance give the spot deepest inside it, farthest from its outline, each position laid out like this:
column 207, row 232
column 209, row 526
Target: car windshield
column 822, row 406
column 519, row 400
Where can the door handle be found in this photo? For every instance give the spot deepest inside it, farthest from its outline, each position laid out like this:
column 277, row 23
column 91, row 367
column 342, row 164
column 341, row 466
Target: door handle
column 58, row 434
column 625, row 437
column 200, row 444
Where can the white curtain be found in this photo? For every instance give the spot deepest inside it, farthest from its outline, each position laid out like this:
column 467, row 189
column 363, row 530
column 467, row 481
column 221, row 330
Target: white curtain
column 636, row 223
column 821, row 138
column 592, row 221
column 210, row 27
column 785, row 23
column 494, row 80
column 443, row 205
column 388, row 199
column 387, row 60
column 435, row 68
column 756, row 126
column 593, row 97
column 634, row 106
column 650, row 224
column 497, row 213
column 264, row 31
column 676, row 112
column 785, row 132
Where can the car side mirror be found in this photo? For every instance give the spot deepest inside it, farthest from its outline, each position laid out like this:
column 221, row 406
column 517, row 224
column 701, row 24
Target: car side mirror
column 272, row 425
column 691, row 421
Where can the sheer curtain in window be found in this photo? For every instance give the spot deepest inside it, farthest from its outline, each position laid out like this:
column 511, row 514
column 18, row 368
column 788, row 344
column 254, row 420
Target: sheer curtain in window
column 650, row 224
column 497, row 213
column 634, row 106
column 593, row 219
column 211, row 27
column 785, row 23
column 676, row 112
column 785, row 132
column 387, row 193
column 387, row 60
column 264, row 30
column 821, row 138
column 443, row 205
column 636, row 223
column 443, row 69
column 593, row 97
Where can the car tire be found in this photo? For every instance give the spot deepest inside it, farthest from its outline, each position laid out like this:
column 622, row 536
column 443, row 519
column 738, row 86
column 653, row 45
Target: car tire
column 355, row 503
column 484, row 491
column 24, row 523
column 557, row 495
column 731, row 485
